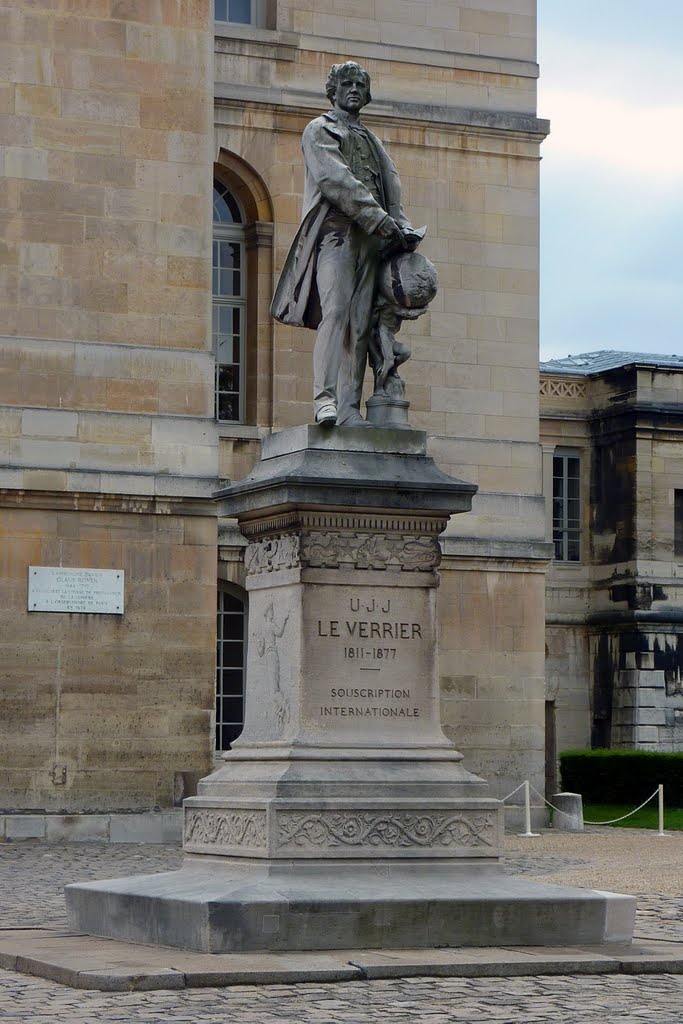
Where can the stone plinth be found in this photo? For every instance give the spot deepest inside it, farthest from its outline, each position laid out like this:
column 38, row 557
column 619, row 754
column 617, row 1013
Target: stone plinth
column 343, row 816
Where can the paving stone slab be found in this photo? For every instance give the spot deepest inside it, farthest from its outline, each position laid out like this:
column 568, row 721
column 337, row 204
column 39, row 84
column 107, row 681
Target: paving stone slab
column 261, row 974
column 85, row 962
column 652, row 957
column 470, row 963
column 109, row 966
column 124, row 981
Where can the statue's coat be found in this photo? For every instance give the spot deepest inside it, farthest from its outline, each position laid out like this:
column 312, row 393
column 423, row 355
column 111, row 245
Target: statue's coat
column 329, row 183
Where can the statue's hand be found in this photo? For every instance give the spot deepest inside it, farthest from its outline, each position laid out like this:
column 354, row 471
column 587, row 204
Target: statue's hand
column 389, row 230
column 413, row 237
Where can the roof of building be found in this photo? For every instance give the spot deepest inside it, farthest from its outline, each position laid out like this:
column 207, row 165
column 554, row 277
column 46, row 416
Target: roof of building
column 597, row 362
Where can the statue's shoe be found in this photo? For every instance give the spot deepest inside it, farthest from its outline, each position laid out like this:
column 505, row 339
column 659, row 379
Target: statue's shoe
column 326, row 415
column 354, row 421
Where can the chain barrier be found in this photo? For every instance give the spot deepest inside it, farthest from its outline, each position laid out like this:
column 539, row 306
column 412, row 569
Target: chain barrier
column 612, row 821
column 528, row 787
column 520, row 786
column 527, row 833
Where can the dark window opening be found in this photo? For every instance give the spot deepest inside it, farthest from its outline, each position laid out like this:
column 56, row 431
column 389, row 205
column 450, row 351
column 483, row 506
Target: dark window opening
column 225, row 208
column 229, row 305
column 238, row 12
column 231, row 643
column 567, row 507
column 678, row 524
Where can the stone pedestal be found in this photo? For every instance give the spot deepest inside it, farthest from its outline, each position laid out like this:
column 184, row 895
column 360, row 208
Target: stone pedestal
column 343, row 816
column 384, row 411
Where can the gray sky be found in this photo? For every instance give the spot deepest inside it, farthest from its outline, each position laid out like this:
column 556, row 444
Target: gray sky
column 612, row 176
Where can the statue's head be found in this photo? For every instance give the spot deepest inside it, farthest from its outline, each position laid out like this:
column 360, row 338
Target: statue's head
column 348, row 86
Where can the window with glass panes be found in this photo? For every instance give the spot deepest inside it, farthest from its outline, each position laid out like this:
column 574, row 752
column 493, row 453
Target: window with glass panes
column 567, row 506
column 230, row 668
column 229, row 304
column 238, row 12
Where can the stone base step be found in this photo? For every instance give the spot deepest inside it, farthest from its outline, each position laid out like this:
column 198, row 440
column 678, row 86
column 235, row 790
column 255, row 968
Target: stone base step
column 215, row 907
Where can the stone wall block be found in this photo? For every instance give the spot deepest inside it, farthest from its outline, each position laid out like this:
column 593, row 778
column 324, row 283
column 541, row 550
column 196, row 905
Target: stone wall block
column 26, row 826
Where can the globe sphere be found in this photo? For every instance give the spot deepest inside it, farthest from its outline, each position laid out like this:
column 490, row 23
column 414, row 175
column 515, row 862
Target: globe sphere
column 409, row 280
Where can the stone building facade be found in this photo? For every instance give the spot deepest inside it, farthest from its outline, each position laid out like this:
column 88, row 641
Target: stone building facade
column 109, row 450
column 611, row 430
column 135, row 382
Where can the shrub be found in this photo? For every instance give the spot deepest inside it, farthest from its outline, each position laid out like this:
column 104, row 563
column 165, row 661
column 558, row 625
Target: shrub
column 624, row 777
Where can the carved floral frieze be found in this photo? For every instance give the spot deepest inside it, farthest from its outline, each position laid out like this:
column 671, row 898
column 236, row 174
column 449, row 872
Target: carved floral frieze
column 208, row 827
column 394, row 830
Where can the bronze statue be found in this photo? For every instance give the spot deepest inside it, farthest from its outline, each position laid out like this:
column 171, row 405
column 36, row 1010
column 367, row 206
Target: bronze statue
column 352, row 224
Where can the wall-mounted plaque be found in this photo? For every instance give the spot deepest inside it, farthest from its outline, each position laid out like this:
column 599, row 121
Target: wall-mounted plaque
column 92, row 591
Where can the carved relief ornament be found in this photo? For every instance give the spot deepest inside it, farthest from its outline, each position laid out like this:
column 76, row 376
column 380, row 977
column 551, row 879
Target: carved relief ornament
column 272, row 554
column 331, row 550
column 225, row 828
column 561, row 387
column 397, row 830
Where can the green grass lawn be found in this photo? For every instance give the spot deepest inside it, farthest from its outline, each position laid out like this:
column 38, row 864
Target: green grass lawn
column 647, row 817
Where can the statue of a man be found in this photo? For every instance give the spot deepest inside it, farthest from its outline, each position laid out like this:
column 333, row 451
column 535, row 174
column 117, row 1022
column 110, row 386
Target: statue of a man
column 352, row 218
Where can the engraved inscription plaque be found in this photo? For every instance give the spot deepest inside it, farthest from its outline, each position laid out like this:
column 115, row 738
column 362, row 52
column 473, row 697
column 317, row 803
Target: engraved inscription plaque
column 89, row 591
column 370, row 660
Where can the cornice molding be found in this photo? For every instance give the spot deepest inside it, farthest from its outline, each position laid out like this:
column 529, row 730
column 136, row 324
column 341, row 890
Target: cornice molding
column 308, row 105
column 86, row 501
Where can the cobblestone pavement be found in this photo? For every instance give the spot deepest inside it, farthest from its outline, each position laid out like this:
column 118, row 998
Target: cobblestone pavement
column 568, row 1000
column 32, row 875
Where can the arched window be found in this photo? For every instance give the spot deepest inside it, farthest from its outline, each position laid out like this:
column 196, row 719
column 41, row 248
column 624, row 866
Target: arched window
column 229, row 305
column 242, row 291
column 231, row 647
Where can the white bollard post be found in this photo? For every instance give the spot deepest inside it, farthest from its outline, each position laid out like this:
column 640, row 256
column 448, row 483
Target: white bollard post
column 527, row 834
column 660, row 795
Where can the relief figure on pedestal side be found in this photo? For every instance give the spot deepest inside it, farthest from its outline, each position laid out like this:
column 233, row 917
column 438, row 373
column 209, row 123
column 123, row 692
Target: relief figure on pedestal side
column 352, row 273
column 267, row 646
